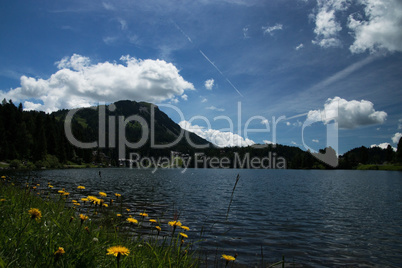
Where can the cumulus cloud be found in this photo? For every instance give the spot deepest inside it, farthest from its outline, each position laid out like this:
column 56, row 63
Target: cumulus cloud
column 184, row 97
column 203, row 100
column 269, row 142
column 219, row 138
column 396, row 137
column 213, row 108
column 327, row 27
column 378, row 28
column 271, row 29
column 209, row 84
column 383, row 145
column 348, row 114
column 81, row 83
column 315, row 140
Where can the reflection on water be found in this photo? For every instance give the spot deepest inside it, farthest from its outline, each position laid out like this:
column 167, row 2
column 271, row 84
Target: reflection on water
column 314, row 218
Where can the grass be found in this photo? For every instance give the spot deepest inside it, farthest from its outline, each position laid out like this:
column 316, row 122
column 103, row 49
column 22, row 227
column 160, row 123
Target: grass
column 61, row 233
column 380, row 167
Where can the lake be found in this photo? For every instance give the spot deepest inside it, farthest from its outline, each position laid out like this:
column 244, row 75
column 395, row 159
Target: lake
column 314, row 218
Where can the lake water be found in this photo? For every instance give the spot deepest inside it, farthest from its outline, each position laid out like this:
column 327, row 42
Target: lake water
column 314, row 218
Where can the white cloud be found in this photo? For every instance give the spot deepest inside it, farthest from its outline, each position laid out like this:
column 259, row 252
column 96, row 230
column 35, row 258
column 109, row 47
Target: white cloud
column 299, row 47
column 79, row 83
column 327, row 28
column 349, row 114
column 293, row 143
column 380, row 28
column 245, row 33
column 315, row 140
column 213, row 108
column 203, row 100
column 265, row 122
column 209, row 84
column 396, row 137
column 383, row 145
column 219, row 138
column 271, row 29
column 269, row 142
column 288, row 123
column 184, row 97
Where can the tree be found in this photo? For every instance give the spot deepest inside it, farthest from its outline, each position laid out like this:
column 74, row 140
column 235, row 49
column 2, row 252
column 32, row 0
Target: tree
column 399, row 151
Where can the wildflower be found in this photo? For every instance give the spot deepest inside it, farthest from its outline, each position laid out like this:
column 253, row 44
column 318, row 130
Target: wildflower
column 74, row 201
column 185, row 228
column 3, row 177
column 144, row 214
column 83, row 218
column 50, row 186
column 105, row 205
column 184, row 235
column 117, row 251
column 60, row 191
column 174, row 223
column 34, row 187
column 117, row 195
column 127, row 209
column 132, row 220
column 35, row 214
column 2, row 200
column 76, row 204
column 152, row 220
column 66, row 194
column 60, row 251
column 84, row 199
column 102, row 194
column 158, row 228
column 81, row 187
column 118, row 215
column 228, row 257
column 38, row 184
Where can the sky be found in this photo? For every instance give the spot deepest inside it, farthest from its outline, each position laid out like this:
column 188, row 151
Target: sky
column 306, row 73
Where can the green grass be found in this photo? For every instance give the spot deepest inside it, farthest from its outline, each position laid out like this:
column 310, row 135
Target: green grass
column 30, row 242
column 380, row 167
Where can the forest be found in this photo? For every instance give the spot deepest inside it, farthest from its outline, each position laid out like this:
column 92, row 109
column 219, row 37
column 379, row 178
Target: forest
column 34, row 140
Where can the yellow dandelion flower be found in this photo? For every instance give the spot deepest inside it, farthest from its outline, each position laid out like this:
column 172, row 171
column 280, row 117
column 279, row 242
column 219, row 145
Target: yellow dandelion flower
column 144, row 214
column 102, row 194
column 50, row 186
column 105, row 205
column 117, row 251
column 60, row 251
column 38, row 184
column 184, row 235
column 74, row 201
column 66, row 194
column 132, row 220
column 158, row 228
column 81, row 187
column 174, row 223
column 35, row 213
column 83, row 217
column 84, row 199
column 185, row 228
column 76, row 204
column 127, row 209
column 60, row 191
column 152, row 220
column 34, row 187
column 2, row 200
column 3, row 177
column 228, row 257
column 118, row 215
column 117, row 195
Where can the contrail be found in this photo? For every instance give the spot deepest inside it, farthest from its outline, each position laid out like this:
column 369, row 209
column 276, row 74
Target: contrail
column 205, row 56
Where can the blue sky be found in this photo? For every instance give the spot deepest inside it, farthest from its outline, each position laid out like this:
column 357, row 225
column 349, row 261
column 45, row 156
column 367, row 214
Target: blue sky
column 300, row 59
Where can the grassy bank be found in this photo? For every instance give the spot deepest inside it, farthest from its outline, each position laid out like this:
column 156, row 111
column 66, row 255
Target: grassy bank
column 45, row 226
column 380, row 167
